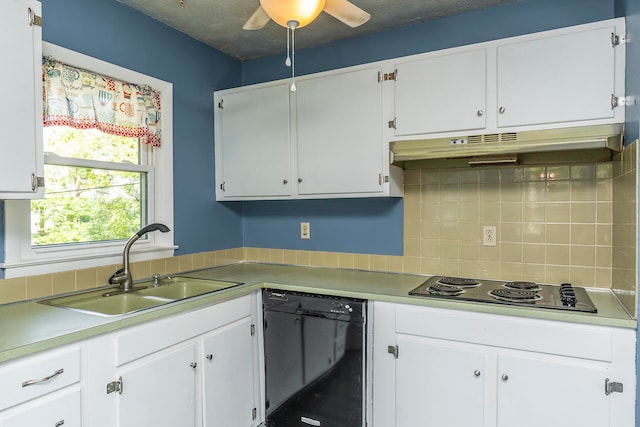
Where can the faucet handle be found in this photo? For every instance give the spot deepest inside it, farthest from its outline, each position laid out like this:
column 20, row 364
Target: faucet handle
column 156, row 280
column 117, row 277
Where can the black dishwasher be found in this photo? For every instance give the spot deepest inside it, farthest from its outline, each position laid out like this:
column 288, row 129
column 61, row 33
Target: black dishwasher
column 314, row 350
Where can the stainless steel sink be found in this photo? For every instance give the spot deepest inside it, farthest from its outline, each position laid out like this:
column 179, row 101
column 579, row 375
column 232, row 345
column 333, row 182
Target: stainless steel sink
column 145, row 295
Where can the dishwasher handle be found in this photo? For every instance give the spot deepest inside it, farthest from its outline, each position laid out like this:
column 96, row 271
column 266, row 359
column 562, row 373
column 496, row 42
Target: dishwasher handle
column 312, row 313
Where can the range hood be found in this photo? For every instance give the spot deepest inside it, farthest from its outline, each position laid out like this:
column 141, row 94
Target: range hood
column 501, row 145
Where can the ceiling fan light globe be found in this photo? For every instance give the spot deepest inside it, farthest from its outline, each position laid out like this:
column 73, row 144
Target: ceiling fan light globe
column 302, row 11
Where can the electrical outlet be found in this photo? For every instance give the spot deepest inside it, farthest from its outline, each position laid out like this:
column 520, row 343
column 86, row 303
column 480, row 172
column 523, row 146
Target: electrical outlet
column 489, row 236
column 305, row 230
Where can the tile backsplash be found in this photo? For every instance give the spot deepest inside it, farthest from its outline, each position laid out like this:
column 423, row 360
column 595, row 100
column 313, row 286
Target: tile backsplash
column 625, row 227
column 553, row 223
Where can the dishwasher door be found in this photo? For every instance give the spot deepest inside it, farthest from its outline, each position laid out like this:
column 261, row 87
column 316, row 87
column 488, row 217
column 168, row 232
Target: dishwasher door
column 314, row 362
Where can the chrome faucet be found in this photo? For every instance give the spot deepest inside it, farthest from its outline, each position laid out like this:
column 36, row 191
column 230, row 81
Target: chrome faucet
column 123, row 277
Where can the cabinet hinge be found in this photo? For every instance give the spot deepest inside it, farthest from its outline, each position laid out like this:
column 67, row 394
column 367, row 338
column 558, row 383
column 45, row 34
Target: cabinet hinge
column 221, row 104
column 253, row 329
column 114, row 386
column 382, row 77
column 617, row 40
column 393, row 349
column 619, row 101
column 33, row 18
column 254, row 413
column 393, row 124
column 612, row 387
column 382, row 179
column 36, row 182
column 222, row 186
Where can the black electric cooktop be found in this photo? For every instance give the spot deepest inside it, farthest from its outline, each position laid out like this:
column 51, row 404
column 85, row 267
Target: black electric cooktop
column 521, row 293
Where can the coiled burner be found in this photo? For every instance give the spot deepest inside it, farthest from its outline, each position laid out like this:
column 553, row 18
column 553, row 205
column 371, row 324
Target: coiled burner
column 459, row 281
column 444, row 289
column 515, row 295
column 524, row 286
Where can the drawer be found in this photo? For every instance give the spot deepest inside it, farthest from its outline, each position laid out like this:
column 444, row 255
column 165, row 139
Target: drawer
column 59, row 410
column 543, row 336
column 37, row 375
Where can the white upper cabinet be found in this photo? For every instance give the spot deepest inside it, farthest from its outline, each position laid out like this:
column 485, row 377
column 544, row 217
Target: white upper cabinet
column 339, row 133
column 328, row 144
column 441, row 93
column 252, row 142
column 21, row 119
column 559, row 78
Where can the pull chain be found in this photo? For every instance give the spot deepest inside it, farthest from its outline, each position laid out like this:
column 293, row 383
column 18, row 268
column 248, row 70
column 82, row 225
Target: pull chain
column 287, row 62
column 291, row 60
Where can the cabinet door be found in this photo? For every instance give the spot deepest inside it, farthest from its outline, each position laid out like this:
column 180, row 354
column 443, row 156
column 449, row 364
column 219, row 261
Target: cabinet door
column 439, row 384
column 551, row 392
column 254, row 142
column 159, row 391
column 339, row 133
column 228, row 376
column 21, row 113
column 557, row 79
column 442, row 93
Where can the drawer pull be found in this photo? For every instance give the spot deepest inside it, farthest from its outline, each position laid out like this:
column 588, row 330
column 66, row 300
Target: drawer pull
column 59, row 423
column 43, row 380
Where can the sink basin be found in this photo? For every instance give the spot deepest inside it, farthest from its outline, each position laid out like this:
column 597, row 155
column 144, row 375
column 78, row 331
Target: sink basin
column 95, row 302
column 143, row 296
column 177, row 288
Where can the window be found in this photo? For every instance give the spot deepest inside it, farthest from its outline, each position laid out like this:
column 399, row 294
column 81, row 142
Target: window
column 96, row 188
column 100, row 189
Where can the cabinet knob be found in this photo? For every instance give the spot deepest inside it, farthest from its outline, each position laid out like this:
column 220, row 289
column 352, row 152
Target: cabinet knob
column 480, row 113
column 194, row 365
column 299, row 180
column 285, row 181
column 476, row 373
column 501, row 110
column 505, row 377
column 209, row 357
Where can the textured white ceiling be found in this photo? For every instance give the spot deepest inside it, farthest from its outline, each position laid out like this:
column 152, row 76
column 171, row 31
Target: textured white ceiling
column 218, row 23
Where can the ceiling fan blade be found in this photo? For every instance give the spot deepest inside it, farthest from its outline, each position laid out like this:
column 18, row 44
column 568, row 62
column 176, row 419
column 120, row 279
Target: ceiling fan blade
column 347, row 12
column 258, row 20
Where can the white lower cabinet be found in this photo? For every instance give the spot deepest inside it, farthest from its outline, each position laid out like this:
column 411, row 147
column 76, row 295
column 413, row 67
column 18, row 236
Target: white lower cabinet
column 434, row 379
column 159, row 391
column 436, row 367
column 552, row 391
column 193, row 369
column 42, row 389
column 229, row 377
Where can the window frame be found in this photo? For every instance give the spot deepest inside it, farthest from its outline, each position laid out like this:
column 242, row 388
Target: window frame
column 21, row 259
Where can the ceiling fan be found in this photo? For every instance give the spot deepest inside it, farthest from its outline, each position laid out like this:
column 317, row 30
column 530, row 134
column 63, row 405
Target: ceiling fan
column 304, row 12
column 293, row 14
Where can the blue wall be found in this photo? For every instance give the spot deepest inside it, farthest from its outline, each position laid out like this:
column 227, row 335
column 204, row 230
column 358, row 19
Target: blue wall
column 379, row 222
column 110, row 31
column 352, row 225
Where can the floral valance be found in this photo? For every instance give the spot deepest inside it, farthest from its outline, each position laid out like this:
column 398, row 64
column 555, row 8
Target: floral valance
column 83, row 99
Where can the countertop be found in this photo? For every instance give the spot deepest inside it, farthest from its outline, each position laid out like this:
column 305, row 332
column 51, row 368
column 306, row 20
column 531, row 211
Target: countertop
column 29, row 327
